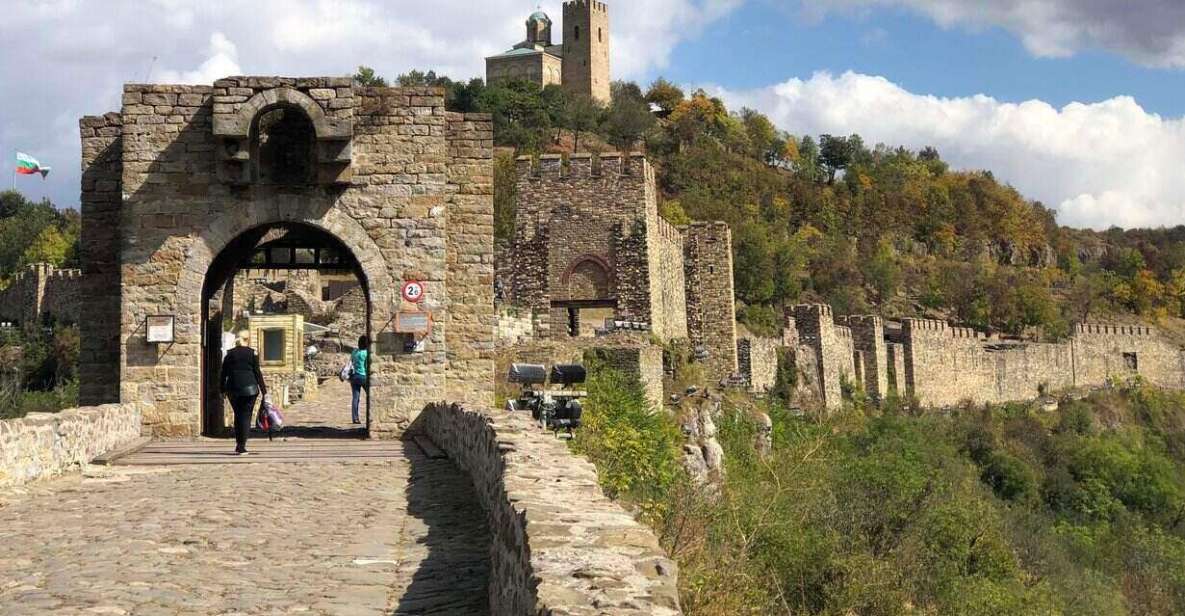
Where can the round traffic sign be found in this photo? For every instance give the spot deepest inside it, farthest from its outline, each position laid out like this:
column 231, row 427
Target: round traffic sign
column 413, row 291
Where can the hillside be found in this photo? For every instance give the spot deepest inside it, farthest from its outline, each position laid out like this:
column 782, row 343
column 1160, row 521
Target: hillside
column 1013, row 509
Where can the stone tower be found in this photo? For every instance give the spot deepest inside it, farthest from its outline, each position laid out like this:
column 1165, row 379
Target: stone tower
column 586, row 49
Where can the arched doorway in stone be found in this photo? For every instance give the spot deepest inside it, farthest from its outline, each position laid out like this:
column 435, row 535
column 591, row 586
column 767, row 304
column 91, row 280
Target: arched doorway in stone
column 294, row 287
column 589, row 301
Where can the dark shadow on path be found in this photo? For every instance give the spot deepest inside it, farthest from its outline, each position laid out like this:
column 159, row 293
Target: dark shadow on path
column 453, row 578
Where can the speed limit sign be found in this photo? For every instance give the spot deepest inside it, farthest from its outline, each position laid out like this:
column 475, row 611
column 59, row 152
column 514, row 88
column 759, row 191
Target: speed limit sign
column 413, row 291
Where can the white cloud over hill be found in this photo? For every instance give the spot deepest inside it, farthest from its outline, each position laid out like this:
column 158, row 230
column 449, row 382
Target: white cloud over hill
column 1098, row 164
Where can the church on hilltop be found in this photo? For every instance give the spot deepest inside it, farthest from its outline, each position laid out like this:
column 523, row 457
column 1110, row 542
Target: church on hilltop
column 580, row 63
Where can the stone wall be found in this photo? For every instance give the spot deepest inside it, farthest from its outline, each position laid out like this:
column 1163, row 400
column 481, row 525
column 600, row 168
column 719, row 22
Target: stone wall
column 711, row 303
column 868, row 339
column 644, row 361
column 42, row 292
column 758, row 360
column 100, row 200
column 404, row 185
column 560, row 547
column 469, row 258
column 514, row 326
column 665, row 254
column 833, row 347
column 947, row 365
column 42, row 445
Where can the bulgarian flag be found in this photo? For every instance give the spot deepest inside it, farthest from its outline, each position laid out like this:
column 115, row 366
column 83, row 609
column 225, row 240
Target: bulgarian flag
column 27, row 165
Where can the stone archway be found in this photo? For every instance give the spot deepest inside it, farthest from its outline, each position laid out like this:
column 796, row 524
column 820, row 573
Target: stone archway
column 274, row 247
column 193, row 292
column 588, row 279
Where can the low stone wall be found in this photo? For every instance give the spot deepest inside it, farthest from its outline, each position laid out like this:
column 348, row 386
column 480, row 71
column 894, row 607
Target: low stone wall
column 42, row 445
column 560, row 547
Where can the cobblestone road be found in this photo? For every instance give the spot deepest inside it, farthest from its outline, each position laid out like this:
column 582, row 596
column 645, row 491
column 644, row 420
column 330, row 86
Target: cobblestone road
column 403, row 536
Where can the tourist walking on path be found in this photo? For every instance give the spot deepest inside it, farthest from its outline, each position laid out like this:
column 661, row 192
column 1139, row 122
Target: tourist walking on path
column 242, row 383
column 359, row 361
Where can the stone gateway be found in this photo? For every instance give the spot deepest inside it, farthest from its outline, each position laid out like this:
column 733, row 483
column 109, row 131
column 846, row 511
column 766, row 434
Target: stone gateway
column 187, row 184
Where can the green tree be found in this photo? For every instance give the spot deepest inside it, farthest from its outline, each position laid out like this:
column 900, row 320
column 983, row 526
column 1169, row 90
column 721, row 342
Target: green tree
column 581, row 114
column 365, row 76
column 628, row 119
column 666, row 95
column 50, row 246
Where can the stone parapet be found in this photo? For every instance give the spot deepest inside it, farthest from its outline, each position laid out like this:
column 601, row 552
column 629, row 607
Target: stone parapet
column 560, row 546
column 41, row 445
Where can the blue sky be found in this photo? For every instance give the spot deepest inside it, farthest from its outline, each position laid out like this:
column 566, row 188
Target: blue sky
column 1078, row 103
column 917, row 54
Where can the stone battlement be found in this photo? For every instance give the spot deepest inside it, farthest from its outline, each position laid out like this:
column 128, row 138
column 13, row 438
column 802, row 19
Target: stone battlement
column 582, row 166
column 573, row 6
column 1114, row 330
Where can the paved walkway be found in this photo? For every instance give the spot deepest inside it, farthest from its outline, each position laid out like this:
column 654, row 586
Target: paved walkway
column 397, row 534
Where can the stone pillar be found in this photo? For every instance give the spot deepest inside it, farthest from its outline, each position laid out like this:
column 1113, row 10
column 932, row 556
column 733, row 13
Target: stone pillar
column 102, row 170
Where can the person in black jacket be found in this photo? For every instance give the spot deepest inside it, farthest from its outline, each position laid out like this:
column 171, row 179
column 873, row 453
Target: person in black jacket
column 242, row 383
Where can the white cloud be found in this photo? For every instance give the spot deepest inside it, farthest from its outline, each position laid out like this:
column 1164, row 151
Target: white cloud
column 1151, row 32
column 62, row 59
column 1098, row 164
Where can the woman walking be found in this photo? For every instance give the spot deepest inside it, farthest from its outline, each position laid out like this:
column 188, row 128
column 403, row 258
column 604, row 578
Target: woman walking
column 358, row 375
column 242, row 383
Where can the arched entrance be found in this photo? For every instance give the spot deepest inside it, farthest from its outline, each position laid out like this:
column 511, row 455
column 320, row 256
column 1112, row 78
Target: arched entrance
column 251, row 281
column 589, row 302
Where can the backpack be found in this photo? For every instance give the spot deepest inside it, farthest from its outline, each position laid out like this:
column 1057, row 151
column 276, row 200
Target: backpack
column 275, row 418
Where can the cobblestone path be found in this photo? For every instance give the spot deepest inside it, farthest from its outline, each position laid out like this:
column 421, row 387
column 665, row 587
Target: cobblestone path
column 402, row 536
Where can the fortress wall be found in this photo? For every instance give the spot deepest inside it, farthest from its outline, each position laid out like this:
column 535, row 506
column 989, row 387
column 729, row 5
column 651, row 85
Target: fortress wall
column 557, row 544
column 758, row 360
column 101, row 292
column 20, row 301
column 62, row 295
column 833, row 347
column 711, row 307
column 945, row 365
column 895, row 372
column 644, row 361
column 868, row 338
column 949, row 365
column 1099, row 352
column 668, row 286
column 631, row 273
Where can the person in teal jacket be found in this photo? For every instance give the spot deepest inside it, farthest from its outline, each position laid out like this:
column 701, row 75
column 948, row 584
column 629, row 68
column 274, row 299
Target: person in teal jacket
column 359, row 365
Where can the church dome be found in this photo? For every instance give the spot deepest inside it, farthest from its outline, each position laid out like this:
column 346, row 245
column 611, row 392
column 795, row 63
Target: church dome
column 539, row 16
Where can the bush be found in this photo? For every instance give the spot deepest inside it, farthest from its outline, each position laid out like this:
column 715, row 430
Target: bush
column 1009, row 477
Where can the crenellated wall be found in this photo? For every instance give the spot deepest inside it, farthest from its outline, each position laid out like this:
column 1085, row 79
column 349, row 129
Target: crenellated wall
column 589, row 243
column 833, row 347
column 42, row 292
